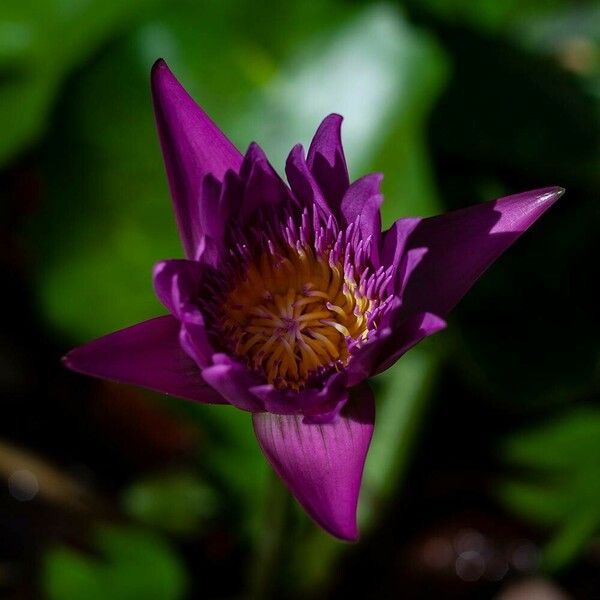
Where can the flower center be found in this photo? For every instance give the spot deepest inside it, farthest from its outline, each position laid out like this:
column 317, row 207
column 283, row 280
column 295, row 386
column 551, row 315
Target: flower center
column 294, row 312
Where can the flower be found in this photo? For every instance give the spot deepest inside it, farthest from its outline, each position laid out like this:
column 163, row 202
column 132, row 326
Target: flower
column 291, row 297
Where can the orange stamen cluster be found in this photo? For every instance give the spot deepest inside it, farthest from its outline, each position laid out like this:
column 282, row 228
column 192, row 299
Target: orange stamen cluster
column 293, row 313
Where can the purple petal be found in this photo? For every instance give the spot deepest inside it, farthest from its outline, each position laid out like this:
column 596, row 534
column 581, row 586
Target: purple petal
column 364, row 360
column 327, row 163
column 391, row 341
column 212, row 222
column 176, row 283
column 395, row 238
column 147, row 354
column 214, row 211
column 233, row 381
column 406, row 335
column 362, row 201
column 462, row 244
column 320, row 405
column 254, row 153
column 263, row 186
column 192, row 147
column 410, row 261
column 322, row 464
column 194, row 340
column 303, row 183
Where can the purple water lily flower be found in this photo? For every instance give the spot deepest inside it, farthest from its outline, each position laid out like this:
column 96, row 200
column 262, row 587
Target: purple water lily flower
column 291, row 296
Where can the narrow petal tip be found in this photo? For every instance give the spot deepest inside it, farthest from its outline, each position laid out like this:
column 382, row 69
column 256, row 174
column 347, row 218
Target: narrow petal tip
column 66, row 361
column 556, row 192
column 159, row 63
column 550, row 194
column 462, row 244
column 333, row 119
column 193, row 147
column 148, row 355
column 160, row 69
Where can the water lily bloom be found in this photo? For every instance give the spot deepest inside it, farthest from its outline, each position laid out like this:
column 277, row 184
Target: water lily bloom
column 290, row 296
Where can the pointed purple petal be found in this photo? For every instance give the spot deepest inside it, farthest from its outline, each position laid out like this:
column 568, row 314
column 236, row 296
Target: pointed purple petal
column 395, row 239
column 192, row 147
column 322, row 464
column 462, row 244
column 253, row 154
column 261, row 187
column 264, row 189
column 214, row 205
column 303, row 184
column 362, row 201
column 147, row 354
column 327, row 163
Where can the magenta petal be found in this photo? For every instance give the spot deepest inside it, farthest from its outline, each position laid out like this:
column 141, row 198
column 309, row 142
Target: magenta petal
column 321, row 404
column 390, row 343
column 234, row 382
column 462, row 244
column 215, row 210
column 147, row 354
column 322, row 464
column 194, row 340
column 395, row 239
column 327, row 162
column 264, row 189
column 365, row 359
column 362, row 201
column 192, row 147
column 176, row 283
column 406, row 335
column 303, row 183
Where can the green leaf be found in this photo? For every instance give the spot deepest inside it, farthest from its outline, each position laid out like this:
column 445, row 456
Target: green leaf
column 40, row 43
column 174, row 502
column 402, row 395
column 561, row 462
column 490, row 15
column 233, row 459
column 131, row 564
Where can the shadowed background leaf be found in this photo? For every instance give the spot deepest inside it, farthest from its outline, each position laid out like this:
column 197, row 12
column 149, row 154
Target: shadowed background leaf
column 130, row 564
column 559, row 485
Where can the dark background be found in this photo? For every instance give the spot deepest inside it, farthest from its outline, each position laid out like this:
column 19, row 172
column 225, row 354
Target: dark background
column 483, row 480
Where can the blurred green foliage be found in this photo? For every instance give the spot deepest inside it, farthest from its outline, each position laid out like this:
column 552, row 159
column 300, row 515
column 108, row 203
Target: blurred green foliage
column 491, row 15
column 40, row 44
column 559, row 482
column 177, row 503
column 130, row 564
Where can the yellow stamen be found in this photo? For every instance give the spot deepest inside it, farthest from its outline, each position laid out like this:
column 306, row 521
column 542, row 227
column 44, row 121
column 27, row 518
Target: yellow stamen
column 293, row 314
